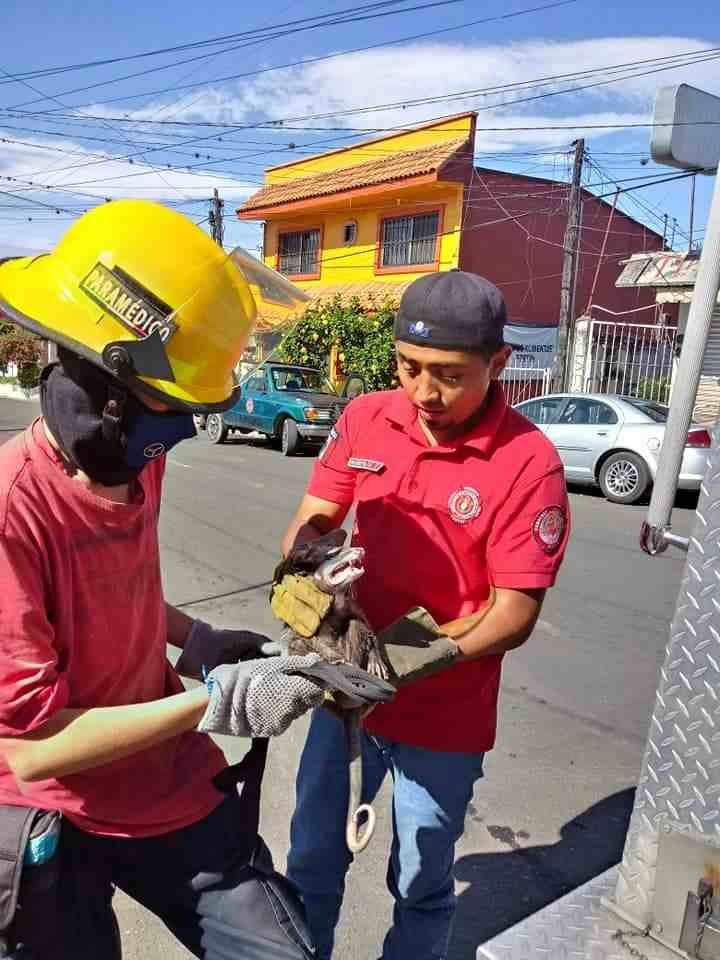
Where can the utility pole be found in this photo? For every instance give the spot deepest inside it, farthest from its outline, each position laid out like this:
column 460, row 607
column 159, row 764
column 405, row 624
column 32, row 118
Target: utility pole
column 565, row 322
column 216, row 218
column 665, row 226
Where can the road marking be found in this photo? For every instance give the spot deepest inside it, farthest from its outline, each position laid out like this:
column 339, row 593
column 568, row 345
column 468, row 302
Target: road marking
column 179, row 463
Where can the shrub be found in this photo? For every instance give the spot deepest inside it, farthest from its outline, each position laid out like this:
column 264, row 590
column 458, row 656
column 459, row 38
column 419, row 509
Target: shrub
column 363, row 336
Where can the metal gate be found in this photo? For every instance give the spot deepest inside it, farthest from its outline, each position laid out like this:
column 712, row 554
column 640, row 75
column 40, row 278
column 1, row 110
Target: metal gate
column 631, row 359
column 523, row 381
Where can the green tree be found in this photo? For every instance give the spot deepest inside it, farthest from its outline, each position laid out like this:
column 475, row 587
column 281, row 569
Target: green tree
column 22, row 349
column 362, row 334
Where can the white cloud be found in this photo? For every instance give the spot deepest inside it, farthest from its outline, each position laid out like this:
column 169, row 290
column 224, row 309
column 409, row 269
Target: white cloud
column 399, row 74
column 354, row 83
column 67, row 177
column 100, row 175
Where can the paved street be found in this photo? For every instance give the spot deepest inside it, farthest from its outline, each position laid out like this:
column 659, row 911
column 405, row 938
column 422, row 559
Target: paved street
column 576, row 700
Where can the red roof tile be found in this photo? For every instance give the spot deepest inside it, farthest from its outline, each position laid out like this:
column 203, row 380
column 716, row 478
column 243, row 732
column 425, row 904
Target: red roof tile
column 397, row 166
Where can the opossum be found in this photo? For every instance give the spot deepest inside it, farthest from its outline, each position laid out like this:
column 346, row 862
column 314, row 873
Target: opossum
column 343, row 635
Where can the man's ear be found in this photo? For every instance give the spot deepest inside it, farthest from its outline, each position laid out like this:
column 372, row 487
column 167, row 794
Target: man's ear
column 499, row 361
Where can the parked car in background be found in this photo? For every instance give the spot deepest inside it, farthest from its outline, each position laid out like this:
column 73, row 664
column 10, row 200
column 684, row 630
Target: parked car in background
column 290, row 404
column 613, row 441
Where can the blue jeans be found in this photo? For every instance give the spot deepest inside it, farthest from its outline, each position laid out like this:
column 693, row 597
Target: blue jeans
column 431, row 792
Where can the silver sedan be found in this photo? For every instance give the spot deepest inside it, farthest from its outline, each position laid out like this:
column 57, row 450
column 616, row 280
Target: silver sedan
column 614, row 442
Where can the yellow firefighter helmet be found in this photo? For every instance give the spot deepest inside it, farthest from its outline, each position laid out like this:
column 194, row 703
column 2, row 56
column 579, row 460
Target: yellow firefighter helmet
column 141, row 291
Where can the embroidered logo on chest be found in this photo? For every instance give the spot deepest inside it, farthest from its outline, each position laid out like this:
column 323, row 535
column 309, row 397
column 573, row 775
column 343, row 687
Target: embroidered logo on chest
column 549, row 528
column 464, row 504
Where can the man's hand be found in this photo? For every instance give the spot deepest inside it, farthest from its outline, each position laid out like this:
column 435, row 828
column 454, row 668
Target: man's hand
column 207, row 647
column 261, row 698
column 314, row 518
column 415, row 646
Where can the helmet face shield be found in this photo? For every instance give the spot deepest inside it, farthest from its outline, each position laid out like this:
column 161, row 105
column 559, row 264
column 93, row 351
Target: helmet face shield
column 141, row 291
column 269, row 288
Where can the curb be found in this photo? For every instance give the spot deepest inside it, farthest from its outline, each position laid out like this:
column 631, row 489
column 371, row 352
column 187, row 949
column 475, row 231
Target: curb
column 10, row 392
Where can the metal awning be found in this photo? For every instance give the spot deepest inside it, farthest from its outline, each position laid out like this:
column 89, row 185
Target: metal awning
column 672, row 274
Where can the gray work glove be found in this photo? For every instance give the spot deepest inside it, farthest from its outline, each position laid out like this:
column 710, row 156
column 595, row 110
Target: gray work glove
column 261, row 698
column 206, row 648
column 415, row 647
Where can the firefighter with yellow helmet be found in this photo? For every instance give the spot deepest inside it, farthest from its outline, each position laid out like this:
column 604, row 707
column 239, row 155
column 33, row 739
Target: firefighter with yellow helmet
column 108, row 777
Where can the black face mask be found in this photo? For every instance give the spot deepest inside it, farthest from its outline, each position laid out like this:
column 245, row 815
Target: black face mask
column 101, row 428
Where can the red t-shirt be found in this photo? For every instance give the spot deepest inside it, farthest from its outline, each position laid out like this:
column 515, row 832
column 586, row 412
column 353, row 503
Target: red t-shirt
column 439, row 525
column 82, row 624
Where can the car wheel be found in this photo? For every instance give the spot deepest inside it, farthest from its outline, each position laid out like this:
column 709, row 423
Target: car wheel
column 215, row 428
column 624, row 478
column 289, row 438
column 200, row 421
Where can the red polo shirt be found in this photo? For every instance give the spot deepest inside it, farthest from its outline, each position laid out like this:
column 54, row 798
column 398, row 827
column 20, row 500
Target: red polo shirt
column 82, row 625
column 440, row 525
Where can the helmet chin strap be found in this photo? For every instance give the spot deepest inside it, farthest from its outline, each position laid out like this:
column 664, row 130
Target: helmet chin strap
column 113, row 413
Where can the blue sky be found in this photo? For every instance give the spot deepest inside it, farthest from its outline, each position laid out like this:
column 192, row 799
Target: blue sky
column 68, row 150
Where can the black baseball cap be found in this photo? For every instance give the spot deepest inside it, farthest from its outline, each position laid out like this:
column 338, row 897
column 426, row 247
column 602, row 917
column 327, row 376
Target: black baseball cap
column 452, row 310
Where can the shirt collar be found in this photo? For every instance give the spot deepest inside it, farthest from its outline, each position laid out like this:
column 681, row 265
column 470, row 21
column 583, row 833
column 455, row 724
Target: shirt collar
column 482, row 436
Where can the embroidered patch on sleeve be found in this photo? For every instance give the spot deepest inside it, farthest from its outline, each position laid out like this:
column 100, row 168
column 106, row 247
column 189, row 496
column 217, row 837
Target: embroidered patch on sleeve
column 549, row 528
column 332, row 437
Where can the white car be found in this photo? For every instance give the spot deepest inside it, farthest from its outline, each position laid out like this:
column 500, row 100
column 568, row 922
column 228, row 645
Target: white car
column 614, row 442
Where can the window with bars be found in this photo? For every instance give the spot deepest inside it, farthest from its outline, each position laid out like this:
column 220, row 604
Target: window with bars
column 409, row 240
column 299, row 253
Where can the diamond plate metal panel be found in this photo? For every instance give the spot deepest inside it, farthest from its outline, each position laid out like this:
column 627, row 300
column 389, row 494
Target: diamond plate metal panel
column 680, row 778
column 576, row 927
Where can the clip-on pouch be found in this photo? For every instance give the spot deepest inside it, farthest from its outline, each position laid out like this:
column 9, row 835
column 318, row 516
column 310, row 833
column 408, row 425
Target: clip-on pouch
column 28, row 875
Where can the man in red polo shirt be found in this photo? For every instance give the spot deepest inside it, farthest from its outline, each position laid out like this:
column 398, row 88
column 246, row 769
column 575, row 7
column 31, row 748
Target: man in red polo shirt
column 458, row 501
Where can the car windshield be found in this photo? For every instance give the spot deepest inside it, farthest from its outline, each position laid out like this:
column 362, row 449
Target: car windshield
column 657, row 412
column 290, row 378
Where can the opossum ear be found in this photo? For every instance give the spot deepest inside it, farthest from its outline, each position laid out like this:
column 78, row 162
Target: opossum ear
column 330, row 541
column 318, row 550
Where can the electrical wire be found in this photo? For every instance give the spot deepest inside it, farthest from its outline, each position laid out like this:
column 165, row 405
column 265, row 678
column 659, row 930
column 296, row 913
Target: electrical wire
column 295, row 63
column 699, row 56
column 195, row 44
column 264, row 37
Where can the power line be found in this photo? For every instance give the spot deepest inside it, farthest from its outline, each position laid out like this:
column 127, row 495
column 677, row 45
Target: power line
column 687, row 58
column 295, row 63
column 459, row 94
column 657, row 214
column 196, row 44
column 426, row 100
column 148, row 169
column 304, row 26
column 515, row 217
column 64, row 106
column 323, row 260
column 709, row 53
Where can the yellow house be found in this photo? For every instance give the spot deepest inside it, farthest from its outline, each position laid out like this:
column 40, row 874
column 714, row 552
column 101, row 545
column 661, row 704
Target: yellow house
column 368, row 219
